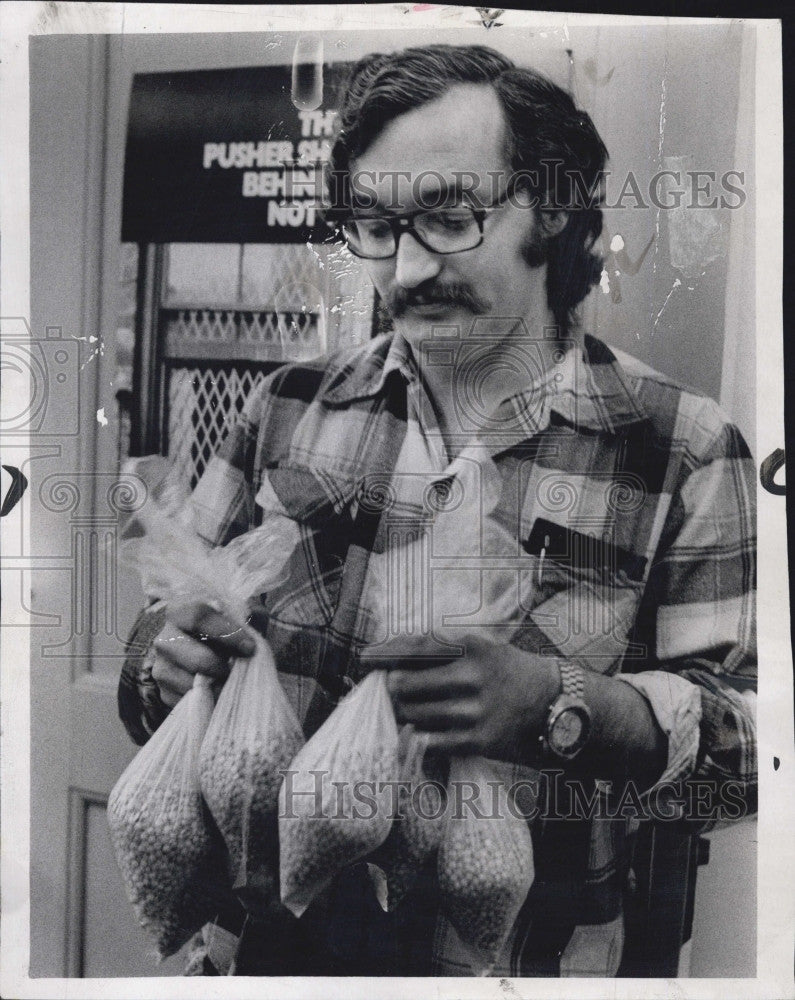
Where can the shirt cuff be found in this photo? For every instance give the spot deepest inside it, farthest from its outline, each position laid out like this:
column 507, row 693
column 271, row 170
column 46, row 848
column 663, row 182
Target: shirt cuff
column 676, row 704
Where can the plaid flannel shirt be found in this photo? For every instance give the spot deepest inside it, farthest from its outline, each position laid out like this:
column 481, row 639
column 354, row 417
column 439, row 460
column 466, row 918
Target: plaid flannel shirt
column 644, row 494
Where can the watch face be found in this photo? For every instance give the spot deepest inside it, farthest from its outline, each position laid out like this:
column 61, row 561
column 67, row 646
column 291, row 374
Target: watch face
column 567, row 730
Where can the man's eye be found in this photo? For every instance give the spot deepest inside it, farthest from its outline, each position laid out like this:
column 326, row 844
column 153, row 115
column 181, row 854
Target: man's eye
column 454, row 220
column 374, row 229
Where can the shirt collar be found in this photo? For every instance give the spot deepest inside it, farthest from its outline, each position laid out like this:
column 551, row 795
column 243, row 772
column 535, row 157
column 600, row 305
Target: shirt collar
column 363, row 373
column 588, row 389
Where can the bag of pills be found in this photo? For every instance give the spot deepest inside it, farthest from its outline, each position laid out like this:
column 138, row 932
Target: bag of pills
column 335, row 805
column 485, row 864
column 157, row 804
column 418, row 826
column 171, row 858
column 253, row 736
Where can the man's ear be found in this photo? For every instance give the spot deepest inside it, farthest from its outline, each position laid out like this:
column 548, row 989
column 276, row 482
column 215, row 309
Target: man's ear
column 553, row 221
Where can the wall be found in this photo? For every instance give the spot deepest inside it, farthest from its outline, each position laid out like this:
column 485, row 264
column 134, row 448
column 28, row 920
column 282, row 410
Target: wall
column 67, row 124
column 656, row 94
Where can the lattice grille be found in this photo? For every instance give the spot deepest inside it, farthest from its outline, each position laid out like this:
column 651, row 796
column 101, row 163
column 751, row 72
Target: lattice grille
column 202, row 403
column 203, row 325
column 277, row 303
column 271, row 336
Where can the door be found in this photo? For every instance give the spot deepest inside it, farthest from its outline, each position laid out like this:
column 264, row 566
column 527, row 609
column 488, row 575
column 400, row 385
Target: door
column 81, row 923
column 210, row 320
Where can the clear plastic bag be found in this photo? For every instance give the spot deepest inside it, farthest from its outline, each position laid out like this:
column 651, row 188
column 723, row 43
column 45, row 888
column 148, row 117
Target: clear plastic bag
column 335, row 808
column 254, row 732
column 158, row 800
column 171, row 858
column 253, row 735
column 485, row 864
column 418, row 826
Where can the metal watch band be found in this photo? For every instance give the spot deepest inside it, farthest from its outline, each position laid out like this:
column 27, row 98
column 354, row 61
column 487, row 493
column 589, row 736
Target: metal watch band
column 572, row 678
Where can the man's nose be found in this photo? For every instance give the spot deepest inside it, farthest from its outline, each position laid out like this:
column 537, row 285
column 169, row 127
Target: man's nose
column 414, row 264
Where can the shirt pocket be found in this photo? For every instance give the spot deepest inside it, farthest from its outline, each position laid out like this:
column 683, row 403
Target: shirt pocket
column 586, row 598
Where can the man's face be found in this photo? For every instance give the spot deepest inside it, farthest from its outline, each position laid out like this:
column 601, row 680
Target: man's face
column 429, row 152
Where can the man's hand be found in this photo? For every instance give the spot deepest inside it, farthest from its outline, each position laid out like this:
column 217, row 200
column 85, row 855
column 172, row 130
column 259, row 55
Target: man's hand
column 490, row 701
column 196, row 639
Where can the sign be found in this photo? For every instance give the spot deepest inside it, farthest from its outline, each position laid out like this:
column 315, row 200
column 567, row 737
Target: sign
column 225, row 156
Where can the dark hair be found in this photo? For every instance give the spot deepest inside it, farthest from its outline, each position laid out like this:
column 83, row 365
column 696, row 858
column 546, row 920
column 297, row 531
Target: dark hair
column 552, row 147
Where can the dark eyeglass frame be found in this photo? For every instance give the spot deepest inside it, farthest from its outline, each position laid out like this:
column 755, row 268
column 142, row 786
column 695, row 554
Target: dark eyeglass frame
column 404, row 223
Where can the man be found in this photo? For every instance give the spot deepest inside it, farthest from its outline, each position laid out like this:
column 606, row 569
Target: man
column 470, row 189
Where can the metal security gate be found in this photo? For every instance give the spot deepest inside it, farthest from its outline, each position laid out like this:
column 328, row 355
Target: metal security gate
column 213, row 359
column 214, row 319
column 202, row 401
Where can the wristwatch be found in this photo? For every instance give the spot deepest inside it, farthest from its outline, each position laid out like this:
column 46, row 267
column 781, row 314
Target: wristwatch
column 568, row 724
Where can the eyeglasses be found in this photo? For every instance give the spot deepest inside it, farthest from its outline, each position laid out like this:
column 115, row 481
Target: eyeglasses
column 440, row 230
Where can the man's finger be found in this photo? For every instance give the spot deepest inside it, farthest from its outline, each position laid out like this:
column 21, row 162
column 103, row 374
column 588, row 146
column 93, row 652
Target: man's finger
column 211, row 626
column 452, row 680
column 169, row 698
column 462, row 714
column 454, row 743
column 173, row 682
column 190, row 654
column 414, row 652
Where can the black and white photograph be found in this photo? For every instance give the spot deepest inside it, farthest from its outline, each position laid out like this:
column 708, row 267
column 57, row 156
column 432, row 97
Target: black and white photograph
column 392, row 505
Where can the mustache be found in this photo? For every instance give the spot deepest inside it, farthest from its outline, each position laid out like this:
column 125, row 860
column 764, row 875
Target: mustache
column 453, row 293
